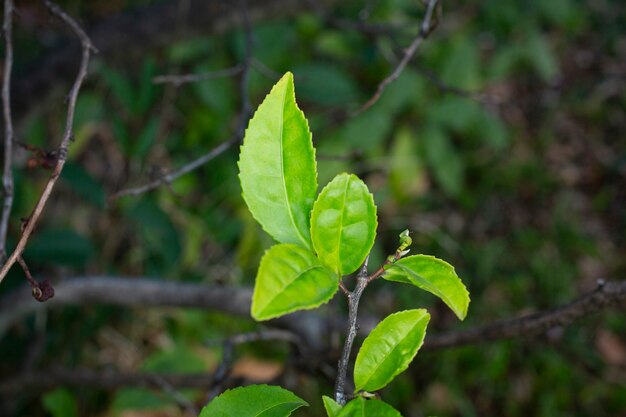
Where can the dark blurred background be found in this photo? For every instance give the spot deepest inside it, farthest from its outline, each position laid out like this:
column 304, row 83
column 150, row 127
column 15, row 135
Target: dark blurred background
column 502, row 147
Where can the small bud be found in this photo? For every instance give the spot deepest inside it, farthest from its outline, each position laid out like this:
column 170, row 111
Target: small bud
column 405, row 240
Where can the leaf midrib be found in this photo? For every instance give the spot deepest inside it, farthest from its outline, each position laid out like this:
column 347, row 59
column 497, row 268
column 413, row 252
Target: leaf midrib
column 340, row 234
column 394, row 348
column 284, row 288
column 282, row 169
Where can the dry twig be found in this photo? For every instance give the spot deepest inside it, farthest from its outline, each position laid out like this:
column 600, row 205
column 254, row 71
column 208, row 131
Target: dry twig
column 244, row 116
column 425, row 29
column 29, row 226
column 7, row 174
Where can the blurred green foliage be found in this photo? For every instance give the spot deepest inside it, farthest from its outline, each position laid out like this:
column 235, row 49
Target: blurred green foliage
column 516, row 179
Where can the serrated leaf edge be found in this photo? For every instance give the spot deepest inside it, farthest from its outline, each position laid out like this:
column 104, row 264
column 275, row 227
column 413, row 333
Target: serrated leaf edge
column 308, row 244
column 426, row 317
column 371, row 198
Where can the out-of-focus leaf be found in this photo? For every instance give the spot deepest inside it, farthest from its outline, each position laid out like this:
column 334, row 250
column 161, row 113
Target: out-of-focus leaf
column 121, row 134
column 60, row 403
column 190, row 50
column 455, row 113
column 409, row 90
column 491, row 131
column 89, row 108
column 146, row 138
column 334, row 43
column 389, row 349
column 254, row 401
column 343, row 224
column 179, row 359
column 159, row 236
column 277, row 166
column 291, row 278
column 367, row 130
column 540, row 56
column 461, row 69
column 217, row 93
column 146, row 93
column 83, row 184
column 121, row 86
column 325, row 84
column 406, row 169
column 137, row 399
column 435, row 276
column 443, row 160
column 59, row 246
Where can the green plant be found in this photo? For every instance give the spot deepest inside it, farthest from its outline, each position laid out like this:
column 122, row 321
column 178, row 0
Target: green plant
column 322, row 238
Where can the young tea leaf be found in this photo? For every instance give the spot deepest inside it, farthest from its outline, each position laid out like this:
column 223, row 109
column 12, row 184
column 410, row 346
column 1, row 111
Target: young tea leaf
column 277, row 166
column 360, row 407
column 343, row 223
column 254, row 401
column 389, row 349
column 291, row 278
column 331, row 406
column 435, row 276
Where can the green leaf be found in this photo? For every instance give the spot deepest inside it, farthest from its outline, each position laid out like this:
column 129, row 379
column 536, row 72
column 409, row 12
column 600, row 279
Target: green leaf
column 290, row 278
column 407, row 173
column 360, row 407
column 389, row 349
column 435, row 276
column 343, row 223
column 60, row 247
column 325, row 84
column 83, row 184
column 254, row 401
column 277, row 166
column 146, row 138
column 444, row 160
column 333, row 408
column 60, row 403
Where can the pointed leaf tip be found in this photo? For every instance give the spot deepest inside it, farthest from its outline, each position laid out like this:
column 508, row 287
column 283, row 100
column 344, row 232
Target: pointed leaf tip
column 277, row 168
column 343, row 223
column 435, row 276
column 290, row 278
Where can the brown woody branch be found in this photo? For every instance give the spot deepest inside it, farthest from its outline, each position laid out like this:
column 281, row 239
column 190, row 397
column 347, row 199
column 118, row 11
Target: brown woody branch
column 426, row 28
column 606, row 295
column 110, row 379
column 52, row 378
column 145, row 292
column 7, row 173
column 131, row 292
column 87, row 48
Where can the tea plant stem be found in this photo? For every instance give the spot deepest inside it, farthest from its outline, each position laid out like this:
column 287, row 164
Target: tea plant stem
column 353, row 306
column 7, row 176
column 87, row 48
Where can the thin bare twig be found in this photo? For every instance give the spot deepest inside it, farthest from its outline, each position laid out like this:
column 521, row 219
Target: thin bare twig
column 606, row 295
column 175, row 394
column 179, row 80
column 353, row 308
column 87, row 48
column 7, row 174
column 244, row 116
column 172, row 176
column 425, row 30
